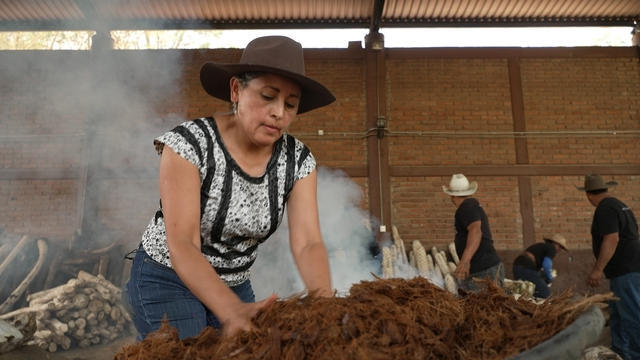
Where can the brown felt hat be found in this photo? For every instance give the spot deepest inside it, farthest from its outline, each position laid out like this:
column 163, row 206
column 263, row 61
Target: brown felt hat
column 278, row 55
column 594, row 182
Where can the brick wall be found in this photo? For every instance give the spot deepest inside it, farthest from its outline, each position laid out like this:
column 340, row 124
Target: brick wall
column 431, row 96
column 447, row 95
column 586, row 95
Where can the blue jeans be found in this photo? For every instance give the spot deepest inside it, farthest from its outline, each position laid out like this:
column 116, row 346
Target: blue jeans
column 156, row 291
column 494, row 273
column 523, row 273
column 624, row 318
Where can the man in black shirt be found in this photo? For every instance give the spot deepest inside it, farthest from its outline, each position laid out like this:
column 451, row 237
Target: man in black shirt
column 539, row 256
column 614, row 233
column 474, row 244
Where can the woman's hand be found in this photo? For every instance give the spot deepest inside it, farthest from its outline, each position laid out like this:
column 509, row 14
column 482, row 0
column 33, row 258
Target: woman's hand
column 240, row 316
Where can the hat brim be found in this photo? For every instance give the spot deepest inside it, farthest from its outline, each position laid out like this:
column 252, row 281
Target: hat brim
column 607, row 185
column 215, row 81
column 559, row 244
column 473, row 187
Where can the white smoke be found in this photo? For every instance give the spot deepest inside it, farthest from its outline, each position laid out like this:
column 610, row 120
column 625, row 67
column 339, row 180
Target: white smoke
column 346, row 233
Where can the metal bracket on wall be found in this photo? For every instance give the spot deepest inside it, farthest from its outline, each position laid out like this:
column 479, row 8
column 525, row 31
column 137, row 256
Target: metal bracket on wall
column 381, row 125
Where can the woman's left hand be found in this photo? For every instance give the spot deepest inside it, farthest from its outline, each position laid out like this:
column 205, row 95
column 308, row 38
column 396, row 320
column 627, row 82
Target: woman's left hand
column 239, row 318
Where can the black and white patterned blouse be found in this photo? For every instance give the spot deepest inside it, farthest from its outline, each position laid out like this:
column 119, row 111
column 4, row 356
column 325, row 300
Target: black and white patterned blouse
column 237, row 211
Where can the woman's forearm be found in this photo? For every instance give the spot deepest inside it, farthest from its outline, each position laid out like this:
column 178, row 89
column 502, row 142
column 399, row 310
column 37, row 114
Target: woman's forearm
column 200, row 277
column 313, row 265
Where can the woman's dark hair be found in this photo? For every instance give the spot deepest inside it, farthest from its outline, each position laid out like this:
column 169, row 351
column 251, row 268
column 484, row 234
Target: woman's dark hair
column 244, row 78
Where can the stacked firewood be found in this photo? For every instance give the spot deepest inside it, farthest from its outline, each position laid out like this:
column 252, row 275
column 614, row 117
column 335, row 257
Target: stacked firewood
column 85, row 311
column 437, row 265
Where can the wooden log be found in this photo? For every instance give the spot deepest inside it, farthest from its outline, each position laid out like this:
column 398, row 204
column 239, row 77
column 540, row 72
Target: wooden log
column 115, row 314
column 47, row 295
column 104, row 293
column 24, row 310
column 83, row 275
column 80, row 301
column 84, row 343
column 52, row 270
column 44, row 334
column 23, row 243
column 59, row 304
column 95, row 306
column 4, row 250
column 63, row 313
column 103, row 265
column 42, row 314
column 64, row 342
column 44, row 345
column 79, row 334
column 91, row 319
column 58, row 327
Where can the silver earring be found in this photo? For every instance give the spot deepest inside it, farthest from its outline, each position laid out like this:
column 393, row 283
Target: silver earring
column 234, row 108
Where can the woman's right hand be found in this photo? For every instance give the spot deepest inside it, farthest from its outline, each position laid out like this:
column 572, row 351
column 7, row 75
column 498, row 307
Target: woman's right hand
column 239, row 318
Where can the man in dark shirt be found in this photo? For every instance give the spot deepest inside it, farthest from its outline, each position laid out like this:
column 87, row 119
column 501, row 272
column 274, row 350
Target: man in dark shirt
column 539, row 256
column 474, row 244
column 614, row 233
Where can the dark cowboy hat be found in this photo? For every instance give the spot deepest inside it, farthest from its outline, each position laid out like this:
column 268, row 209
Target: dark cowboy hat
column 594, row 182
column 271, row 54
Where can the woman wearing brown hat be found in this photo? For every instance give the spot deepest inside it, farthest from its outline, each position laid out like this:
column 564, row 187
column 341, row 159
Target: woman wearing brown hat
column 224, row 183
column 539, row 256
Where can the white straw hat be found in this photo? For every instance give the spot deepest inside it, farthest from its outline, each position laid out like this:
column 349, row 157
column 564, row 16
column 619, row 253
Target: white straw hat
column 460, row 186
column 558, row 239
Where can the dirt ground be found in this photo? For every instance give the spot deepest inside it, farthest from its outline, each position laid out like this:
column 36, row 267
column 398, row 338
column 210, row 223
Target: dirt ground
column 98, row 352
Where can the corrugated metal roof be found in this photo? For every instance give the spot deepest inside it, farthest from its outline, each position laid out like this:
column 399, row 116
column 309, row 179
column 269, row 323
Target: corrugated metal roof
column 224, row 14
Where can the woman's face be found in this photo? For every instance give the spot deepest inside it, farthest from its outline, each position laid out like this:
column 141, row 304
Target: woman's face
column 266, row 106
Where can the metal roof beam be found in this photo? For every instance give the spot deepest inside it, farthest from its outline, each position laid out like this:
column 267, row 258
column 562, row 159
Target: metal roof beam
column 376, row 16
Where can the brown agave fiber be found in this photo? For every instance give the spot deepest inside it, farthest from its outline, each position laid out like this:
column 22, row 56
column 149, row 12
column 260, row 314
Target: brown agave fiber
column 381, row 319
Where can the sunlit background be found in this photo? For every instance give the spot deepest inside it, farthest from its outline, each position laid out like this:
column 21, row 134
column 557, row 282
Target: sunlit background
column 327, row 38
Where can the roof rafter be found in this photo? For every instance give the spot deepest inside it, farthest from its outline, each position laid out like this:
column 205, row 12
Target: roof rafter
column 27, row 15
